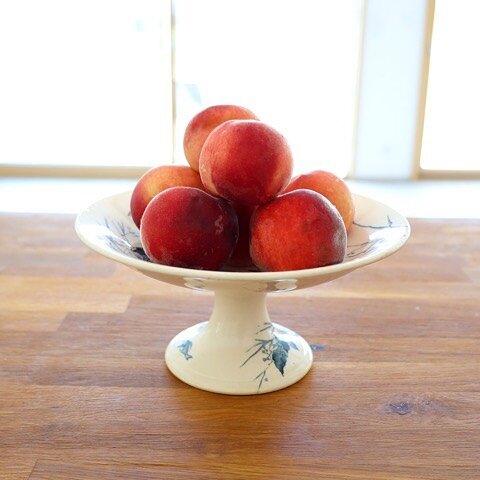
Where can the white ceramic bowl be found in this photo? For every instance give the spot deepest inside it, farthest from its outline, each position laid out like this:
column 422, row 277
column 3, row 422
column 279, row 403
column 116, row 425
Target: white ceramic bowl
column 239, row 350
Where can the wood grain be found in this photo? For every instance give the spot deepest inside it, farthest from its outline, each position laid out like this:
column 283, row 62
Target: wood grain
column 394, row 393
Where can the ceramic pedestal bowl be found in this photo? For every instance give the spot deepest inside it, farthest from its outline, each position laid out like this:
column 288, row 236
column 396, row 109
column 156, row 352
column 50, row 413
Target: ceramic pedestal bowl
column 239, row 350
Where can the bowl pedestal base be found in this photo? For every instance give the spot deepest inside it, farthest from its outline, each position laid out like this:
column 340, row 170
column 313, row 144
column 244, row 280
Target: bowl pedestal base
column 239, row 351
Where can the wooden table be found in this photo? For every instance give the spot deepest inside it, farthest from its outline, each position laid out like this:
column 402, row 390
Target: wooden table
column 394, row 393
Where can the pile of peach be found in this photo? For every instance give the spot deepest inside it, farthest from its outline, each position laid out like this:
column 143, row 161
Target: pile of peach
column 236, row 205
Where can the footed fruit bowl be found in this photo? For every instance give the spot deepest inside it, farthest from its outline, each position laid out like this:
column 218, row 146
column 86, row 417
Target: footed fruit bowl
column 239, row 350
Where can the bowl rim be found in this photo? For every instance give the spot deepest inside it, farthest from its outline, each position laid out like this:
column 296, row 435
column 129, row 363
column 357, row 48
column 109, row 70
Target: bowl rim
column 158, row 268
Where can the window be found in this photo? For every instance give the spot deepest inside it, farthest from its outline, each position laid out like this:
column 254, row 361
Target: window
column 89, row 82
column 110, row 83
column 451, row 127
column 85, row 82
column 294, row 63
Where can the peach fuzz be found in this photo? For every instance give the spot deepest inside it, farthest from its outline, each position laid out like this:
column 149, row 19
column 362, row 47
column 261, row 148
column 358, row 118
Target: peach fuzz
column 330, row 186
column 187, row 227
column 202, row 124
column 245, row 161
column 297, row 230
column 155, row 181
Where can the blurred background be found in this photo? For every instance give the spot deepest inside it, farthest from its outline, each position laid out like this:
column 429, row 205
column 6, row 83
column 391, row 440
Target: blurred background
column 381, row 92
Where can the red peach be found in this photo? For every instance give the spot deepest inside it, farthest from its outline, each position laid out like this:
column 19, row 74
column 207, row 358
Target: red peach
column 330, row 186
column 155, row 181
column 297, row 230
column 204, row 122
column 246, row 162
column 187, row 227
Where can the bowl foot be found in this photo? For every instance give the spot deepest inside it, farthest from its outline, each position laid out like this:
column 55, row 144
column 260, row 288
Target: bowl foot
column 239, row 351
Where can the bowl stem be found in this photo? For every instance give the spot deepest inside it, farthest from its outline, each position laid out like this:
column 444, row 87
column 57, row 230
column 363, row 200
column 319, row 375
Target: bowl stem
column 239, row 350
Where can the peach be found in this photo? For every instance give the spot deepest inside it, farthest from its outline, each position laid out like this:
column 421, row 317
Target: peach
column 187, row 227
column 241, row 255
column 330, row 186
column 155, row 181
column 204, row 122
column 297, row 230
column 246, row 162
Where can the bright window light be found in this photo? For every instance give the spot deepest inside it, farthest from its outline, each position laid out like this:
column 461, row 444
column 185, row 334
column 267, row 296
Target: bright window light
column 85, row 82
column 89, row 82
column 294, row 63
column 450, row 137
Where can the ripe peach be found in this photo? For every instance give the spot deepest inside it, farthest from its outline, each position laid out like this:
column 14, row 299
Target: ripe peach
column 187, row 227
column 330, row 186
column 297, row 230
column 246, row 162
column 241, row 255
column 204, row 122
column 155, row 181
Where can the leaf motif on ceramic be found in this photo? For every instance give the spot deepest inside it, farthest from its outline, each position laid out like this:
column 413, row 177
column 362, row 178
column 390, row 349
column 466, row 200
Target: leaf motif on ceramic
column 123, row 239
column 274, row 351
column 375, row 242
column 185, row 348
